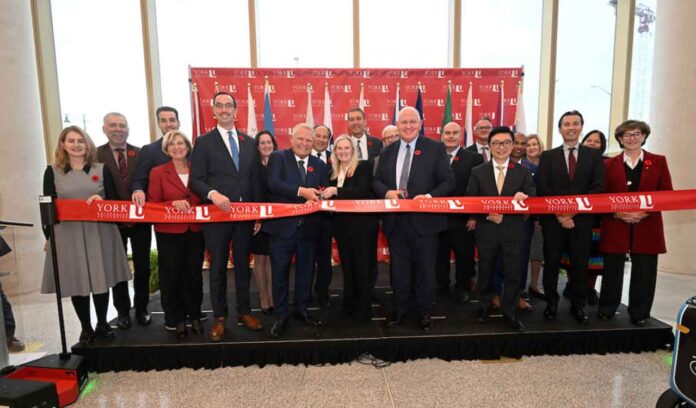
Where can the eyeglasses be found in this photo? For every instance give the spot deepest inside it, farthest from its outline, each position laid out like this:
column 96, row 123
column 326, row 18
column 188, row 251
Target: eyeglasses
column 632, row 135
column 504, row 143
column 224, row 105
column 483, row 128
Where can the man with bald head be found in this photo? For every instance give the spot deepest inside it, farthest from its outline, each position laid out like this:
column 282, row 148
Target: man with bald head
column 414, row 167
column 459, row 236
column 481, row 130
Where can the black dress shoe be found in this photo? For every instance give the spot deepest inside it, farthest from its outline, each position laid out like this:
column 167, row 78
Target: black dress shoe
column 395, row 321
column 196, row 326
column 579, row 314
column 481, row 314
column 426, row 324
column 105, row 331
column 324, row 301
column 639, row 322
column 278, row 328
column 268, row 311
column 550, row 311
column 514, row 323
column 592, row 297
column 123, row 322
column 87, row 336
column 307, row 319
column 463, row 298
column 535, row 294
column 181, row 330
column 143, row 319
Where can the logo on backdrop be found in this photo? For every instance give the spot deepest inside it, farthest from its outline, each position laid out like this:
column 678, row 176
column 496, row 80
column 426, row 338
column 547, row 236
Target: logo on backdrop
column 135, row 212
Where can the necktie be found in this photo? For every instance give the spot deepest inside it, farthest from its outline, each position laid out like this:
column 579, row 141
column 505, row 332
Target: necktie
column 403, row 181
column 571, row 163
column 303, row 172
column 360, row 155
column 501, row 178
column 234, row 149
column 484, row 153
column 451, row 156
column 122, row 164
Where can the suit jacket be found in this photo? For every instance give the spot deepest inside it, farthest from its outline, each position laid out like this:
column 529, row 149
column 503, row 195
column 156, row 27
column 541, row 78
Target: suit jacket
column 357, row 187
column 284, row 181
column 105, row 155
column 151, row 155
column 482, row 184
column 165, row 186
column 648, row 235
column 462, row 164
column 374, row 147
column 430, row 173
column 212, row 168
column 553, row 180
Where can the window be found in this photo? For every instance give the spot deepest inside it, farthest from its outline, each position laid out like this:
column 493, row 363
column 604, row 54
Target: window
column 643, row 52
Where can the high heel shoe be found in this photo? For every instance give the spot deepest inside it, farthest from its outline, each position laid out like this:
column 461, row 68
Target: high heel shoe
column 87, row 336
column 181, row 330
column 268, row 311
column 105, row 331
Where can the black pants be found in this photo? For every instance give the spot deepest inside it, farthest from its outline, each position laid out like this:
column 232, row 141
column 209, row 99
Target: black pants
column 500, row 248
column 641, row 291
column 356, row 255
column 140, row 236
column 323, row 270
column 282, row 249
column 462, row 242
column 7, row 315
column 180, row 257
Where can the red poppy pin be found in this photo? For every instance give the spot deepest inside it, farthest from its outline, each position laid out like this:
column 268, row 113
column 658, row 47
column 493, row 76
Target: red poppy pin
column 456, row 158
column 648, row 163
column 310, row 169
column 417, row 152
column 511, row 165
column 369, row 143
column 131, row 153
column 95, row 178
column 240, row 137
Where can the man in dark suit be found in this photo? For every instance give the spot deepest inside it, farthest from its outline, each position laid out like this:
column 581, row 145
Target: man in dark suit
column 322, row 268
column 121, row 159
column 415, row 167
column 294, row 176
column 499, row 237
column 569, row 169
column 481, row 131
column 459, row 236
column 224, row 170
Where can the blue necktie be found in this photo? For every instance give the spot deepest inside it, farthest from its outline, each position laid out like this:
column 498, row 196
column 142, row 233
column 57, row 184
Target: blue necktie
column 234, row 149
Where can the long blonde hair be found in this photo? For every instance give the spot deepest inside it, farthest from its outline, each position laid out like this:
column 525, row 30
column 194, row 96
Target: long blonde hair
column 60, row 156
column 336, row 166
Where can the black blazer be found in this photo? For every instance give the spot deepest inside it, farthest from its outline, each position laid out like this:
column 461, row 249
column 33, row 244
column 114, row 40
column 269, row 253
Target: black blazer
column 104, row 155
column 284, row 180
column 212, row 168
column 357, row 187
column 151, row 155
column 374, row 147
column 430, row 173
column 482, row 184
column 462, row 164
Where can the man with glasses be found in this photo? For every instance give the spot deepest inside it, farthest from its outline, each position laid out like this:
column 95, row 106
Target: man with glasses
column 481, row 130
column 224, row 170
column 569, row 169
column 499, row 237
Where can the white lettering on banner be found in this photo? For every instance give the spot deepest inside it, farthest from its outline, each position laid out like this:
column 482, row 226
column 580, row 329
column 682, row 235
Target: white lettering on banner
column 329, row 74
column 477, row 102
column 520, row 205
column 252, row 74
column 391, row 203
column 584, row 204
column 384, row 116
column 477, row 74
column 366, row 74
column 291, row 103
column 211, row 73
column 441, row 74
column 458, row 88
column 136, row 213
column 457, row 116
column 646, row 202
column 561, row 204
column 512, row 101
column 429, row 204
column 455, row 205
column 497, row 204
column 404, row 74
column 266, row 211
column 328, row 205
column 347, row 89
column 232, row 88
column 202, row 213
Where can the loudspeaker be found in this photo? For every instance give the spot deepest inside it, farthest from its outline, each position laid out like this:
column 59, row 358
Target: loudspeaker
column 27, row 394
column 68, row 376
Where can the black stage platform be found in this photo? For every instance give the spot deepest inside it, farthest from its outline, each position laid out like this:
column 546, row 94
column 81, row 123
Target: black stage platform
column 455, row 336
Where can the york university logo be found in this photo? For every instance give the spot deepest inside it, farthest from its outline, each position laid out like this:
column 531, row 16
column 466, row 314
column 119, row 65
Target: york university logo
column 135, row 212
column 266, row 211
column 328, row 205
column 646, row 202
column 455, row 204
column 391, row 203
column 519, row 205
column 583, row 203
column 202, row 213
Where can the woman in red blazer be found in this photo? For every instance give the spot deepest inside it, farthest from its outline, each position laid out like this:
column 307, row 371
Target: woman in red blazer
column 179, row 246
column 637, row 233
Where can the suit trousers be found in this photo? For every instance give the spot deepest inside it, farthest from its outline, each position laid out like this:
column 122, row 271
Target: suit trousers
column 180, row 257
column 578, row 241
column 412, row 251
column 322, row 258
column 218, row 237
column 499, row 249
column 462, row 243
column 641, row 291
column 140, row 236
column 356, row 262
column 282, row 250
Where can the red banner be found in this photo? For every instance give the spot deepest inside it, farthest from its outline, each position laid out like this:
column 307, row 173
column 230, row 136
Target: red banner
column 288, row 95
column 124, row 211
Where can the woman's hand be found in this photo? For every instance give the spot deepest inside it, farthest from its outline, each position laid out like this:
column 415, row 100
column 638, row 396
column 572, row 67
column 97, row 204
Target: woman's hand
column 329, row 192
column 181, row 205
column 92, row 198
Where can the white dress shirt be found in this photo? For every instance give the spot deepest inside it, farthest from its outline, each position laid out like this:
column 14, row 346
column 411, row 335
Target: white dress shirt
column 630, row 163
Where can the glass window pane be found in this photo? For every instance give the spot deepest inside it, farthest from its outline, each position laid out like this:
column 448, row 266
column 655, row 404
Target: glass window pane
column 99, row 55
column 584, row 62
column 404, row 34
column 514, row 40
column 305, row 33
column 643, row 52
column 188, row 36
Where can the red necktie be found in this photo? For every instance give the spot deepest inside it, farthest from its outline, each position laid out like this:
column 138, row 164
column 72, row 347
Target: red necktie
column 122, row 165
column 571, row 163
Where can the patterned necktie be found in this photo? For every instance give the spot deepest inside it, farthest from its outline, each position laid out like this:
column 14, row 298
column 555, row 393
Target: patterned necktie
column 451, row 156
column 403, row 180
column 571, row 163
column 122, row 164
column 234, row 149
column 501, row 179
column 484, row 149
column 360, row 155
column 303, row 172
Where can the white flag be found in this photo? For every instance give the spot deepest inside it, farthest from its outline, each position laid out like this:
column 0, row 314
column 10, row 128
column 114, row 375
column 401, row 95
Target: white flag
column 309, row 117
column 520, row 119
column 252, row 127
column 469, row 114
column 361, row 102
column 327, row 108
column 397, row 104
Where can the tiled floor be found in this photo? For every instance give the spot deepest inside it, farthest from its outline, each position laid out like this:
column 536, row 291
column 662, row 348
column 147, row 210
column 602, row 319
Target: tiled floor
column 620, row 380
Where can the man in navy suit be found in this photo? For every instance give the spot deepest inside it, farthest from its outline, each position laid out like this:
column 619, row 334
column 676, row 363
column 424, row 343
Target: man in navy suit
column 499, row 237
column 224, row 170
column 459, row 236
column 294, row 176
column 569, row 169
column 414, row 167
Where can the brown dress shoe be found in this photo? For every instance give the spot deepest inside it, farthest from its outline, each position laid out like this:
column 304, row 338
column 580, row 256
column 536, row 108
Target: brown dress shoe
column 250, row 322
column 523, row 305
column 217, row 332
